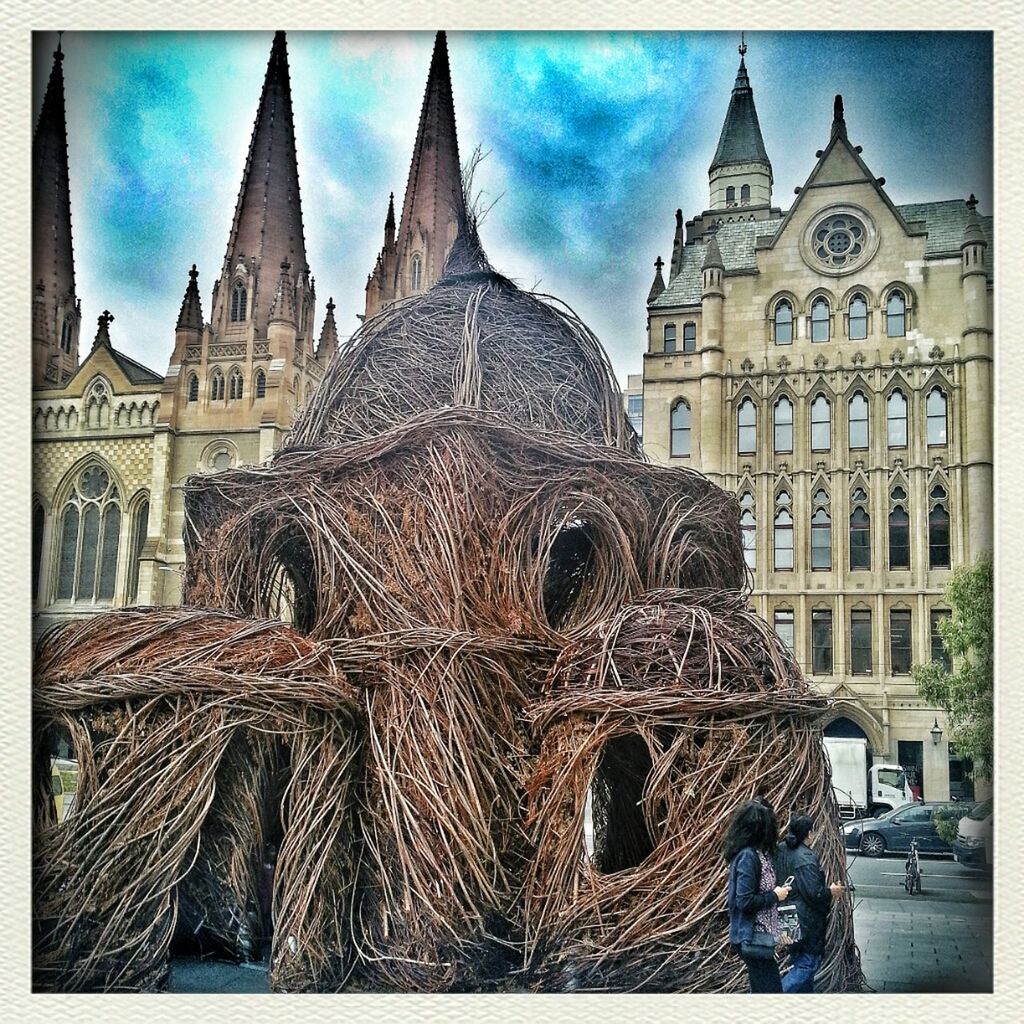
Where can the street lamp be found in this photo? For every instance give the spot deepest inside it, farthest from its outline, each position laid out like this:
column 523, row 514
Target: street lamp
column 936, row 732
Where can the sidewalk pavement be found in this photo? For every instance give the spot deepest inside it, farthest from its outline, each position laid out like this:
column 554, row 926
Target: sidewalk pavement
column 914, row 945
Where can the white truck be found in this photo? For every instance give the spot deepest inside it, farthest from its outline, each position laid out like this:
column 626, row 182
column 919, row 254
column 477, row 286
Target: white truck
column 863, row 791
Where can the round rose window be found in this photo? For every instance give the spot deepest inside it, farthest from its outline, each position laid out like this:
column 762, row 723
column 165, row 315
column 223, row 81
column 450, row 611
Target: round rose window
column 839, row 240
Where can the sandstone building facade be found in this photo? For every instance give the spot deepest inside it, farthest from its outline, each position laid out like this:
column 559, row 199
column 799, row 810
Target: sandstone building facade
column 112, row 439
column 832, row 365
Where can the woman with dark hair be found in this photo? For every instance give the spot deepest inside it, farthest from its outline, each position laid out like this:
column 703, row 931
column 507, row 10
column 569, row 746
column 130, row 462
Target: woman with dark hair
column 753, row 895
column 812, row 897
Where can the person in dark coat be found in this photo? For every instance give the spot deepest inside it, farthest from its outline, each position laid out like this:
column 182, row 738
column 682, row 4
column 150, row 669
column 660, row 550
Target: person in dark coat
column 812, row 896
column 753, row 895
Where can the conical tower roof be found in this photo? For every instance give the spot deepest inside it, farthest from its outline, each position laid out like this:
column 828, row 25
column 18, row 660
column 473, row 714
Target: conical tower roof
column 52, row 256
column 434, row 195
column 267, row 225
column 190, row 317
column 741, row 141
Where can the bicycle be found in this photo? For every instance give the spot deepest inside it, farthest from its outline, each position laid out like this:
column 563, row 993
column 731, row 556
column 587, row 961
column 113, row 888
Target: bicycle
column 912, row 878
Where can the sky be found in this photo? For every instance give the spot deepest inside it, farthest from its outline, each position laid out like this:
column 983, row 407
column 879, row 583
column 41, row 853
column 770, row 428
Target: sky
column 592, row 141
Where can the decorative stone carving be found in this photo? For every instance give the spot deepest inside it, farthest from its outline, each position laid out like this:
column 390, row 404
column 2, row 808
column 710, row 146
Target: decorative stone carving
column 936, row 352
column 897, row 356
column 783, row 363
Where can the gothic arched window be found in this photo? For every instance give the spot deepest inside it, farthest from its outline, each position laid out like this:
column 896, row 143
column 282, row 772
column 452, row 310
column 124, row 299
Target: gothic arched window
column 858, row 412
column 235, row 384
column 783, row 531
column 216, row 386
column 90, row 531
column 261, row 384
column 860, row 531
column 744, row 193
column 783, row 323
column 66, row 333
column 938, row 529
column 38, row 522
column 783, row 426
column 858, row 323
column 417, row 272
column 748, row 529
column 730, row 193
column 746, row 420
column 935, row 408
column 896, row 315
column 193, row 388
column 821, row 424
column 140, row 528
column 821, row 531
column 899, row 530
column 820, row 320
column 239, row 301
column 896, row 419
column 680, row 440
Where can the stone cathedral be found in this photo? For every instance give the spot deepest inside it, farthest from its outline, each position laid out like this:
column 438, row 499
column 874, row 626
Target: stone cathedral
column 112, row 439
column 832, row 365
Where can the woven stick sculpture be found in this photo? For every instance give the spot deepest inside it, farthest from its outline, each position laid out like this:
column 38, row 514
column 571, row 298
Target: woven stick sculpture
column 497, row 609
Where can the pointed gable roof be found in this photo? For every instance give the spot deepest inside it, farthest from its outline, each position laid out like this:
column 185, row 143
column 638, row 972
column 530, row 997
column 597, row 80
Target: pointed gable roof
column 52, row 255
column 841, row 163
column 741, row 141
column 267, row 225
column 434, row 194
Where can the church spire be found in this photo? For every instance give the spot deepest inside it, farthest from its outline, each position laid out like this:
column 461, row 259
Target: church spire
column 434, row 205
column 55, row 349
column 658, row 286
column 741, row 173
column 191, row 316
column 434, row 208
column 267, row 226
column 328, row 336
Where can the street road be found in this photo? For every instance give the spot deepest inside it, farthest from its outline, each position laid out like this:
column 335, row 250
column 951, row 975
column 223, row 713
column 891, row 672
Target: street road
column 940, row 941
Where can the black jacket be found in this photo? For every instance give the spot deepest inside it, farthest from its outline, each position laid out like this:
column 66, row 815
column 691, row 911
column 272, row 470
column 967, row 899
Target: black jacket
column 810, row 893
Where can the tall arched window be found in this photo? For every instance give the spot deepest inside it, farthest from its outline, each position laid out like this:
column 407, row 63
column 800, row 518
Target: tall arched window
column 38, row 522
column 235, row 384
column 261, row 384
column 239, row 298
column 669, row 336
column 938, row 529
column 66, row 334
column 860, row 530
column 858, row 318
column 140, row 529
column 216, row 386
column 820, row 320
column 689, row 337
column 783, row 426
column 417, row 272
column 935, row 408
column 730, row 193
column 858, row 421
column 89, row 535
column 746, row 434
column 821, row 424
column 680, row 420
column 899, row 530
column 896, row 419
column 783, row 323
column 748, row 529
column 821, row 531
column 783, row 540
column 896, row 315
column 744, row 193
column 193, row 388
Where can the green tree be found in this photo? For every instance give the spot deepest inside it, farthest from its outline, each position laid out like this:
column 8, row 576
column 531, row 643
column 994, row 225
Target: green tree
column 965, row 692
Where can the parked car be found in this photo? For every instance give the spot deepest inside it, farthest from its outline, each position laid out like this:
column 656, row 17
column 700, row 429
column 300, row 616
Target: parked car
column 973, row 846
column 892, row 831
